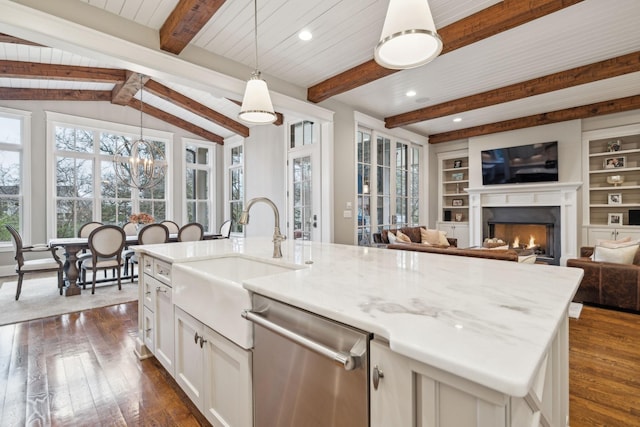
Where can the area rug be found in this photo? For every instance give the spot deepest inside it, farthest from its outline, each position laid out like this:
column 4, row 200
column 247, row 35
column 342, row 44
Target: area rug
column 40, row 298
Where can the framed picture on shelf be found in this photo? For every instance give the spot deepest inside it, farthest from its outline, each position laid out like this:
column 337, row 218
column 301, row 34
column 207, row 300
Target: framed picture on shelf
column 614, row 198
column 457, row 164
column 615, row 219
column 457, row 202
column 458, row 176
column 458, row 217
column 614, row 145
column 614, row 162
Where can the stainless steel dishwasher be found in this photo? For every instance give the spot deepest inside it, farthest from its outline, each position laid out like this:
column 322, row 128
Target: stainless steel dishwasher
column 307, row 370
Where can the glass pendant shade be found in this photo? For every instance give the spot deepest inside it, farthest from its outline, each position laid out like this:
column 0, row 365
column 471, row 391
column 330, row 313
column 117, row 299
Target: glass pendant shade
column 256, row 104
column 409, row 38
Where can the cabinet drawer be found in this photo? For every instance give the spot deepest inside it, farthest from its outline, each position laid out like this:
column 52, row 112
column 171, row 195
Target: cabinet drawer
column 148, row 321
column 147, row 265
column 162, row 271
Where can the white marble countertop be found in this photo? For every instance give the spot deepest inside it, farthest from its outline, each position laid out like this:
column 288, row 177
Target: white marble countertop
column 485, row 320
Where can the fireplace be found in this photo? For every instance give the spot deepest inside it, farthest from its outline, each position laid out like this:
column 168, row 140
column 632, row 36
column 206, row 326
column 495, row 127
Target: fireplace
column 532, row 228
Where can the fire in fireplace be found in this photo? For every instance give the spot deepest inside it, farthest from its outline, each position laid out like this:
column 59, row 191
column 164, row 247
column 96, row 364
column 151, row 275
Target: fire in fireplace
column 535, row 228
column 523, row 236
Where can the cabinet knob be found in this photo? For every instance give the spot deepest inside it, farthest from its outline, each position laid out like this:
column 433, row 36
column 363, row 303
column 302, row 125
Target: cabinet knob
column 202, row 341
column 195, row 338
column 377, row 376
column 161, row 289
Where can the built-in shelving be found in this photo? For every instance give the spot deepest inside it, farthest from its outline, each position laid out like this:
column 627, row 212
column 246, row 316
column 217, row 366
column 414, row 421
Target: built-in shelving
column 605, row 202
column 453, row 199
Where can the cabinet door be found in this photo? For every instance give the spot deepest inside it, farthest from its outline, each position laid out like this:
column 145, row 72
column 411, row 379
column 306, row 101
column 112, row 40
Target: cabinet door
column 596, row 234
column 189, row 359
column 391, row 400
column 147, row 328
column 164, row 327
column 148, row 295
column 634, row 234
column 228, row 387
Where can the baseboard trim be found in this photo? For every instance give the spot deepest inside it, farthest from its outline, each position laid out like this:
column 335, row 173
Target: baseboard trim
column 7, row 270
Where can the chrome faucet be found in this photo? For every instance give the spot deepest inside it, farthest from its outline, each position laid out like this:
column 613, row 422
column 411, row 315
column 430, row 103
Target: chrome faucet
column 277, row 236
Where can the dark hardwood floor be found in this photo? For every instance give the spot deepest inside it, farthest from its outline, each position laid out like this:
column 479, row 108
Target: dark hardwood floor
column 79, row 369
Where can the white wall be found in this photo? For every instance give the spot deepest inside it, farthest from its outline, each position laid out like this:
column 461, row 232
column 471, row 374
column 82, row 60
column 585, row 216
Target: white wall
column 265, row 176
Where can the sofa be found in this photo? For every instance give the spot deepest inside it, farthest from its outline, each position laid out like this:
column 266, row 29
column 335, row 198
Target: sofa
column 416, row 245
column 413, row 233
column 608, row 284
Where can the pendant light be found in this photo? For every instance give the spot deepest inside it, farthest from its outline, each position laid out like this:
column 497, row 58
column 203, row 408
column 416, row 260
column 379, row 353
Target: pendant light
column 256, row 105
column 409, row 38
column 140, row 164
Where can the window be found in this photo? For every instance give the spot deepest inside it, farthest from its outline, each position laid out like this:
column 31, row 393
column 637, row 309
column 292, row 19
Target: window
column 198, row 183
column 14, row 162
column 86, row 187
column 236, row 188
column 394, row 200
column 364, row 182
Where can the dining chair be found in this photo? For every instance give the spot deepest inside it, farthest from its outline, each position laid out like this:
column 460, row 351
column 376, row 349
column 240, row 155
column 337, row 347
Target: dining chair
column 225, row 229
column 191, row 232
column 149, row 235
column 52, row 263
column 172, row 226
column 106, row 243
column 84, row 231
column 130, row 228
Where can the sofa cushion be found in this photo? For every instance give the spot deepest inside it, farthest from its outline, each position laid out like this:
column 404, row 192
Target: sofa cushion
column 619, row 255
column 527, row 259
column 391, row 237
column 614, row 243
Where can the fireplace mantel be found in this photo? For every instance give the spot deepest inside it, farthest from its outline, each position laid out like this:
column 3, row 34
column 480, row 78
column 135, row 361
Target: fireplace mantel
column 564, row 195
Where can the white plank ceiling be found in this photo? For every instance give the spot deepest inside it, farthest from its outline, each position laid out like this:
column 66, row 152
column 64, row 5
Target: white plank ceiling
column 344, row 35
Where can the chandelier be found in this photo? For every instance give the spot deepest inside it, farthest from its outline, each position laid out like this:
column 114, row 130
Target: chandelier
column 140, row 164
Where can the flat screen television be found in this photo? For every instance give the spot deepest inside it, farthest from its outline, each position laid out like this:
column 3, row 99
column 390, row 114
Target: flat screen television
column 520, row 164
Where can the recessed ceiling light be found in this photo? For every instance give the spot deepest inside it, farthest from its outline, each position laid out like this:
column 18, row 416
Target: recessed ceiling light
column 457, row 119
column 305, row 35
column 411, row 93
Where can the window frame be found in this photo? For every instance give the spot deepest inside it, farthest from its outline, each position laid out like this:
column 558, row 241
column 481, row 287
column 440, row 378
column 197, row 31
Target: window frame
column 24, row 149
column 229, row 145
column 54, row 119
column 211, row 169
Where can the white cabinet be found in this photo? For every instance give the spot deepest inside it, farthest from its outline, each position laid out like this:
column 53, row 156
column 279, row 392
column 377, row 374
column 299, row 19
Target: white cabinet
column 611, row 233
column 453, row 178
column 459, row 231
column 164, row 324
column 611, row 191
column 411, row 393
column 214, row 372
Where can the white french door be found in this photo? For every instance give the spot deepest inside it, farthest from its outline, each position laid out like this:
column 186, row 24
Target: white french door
column 304, row 193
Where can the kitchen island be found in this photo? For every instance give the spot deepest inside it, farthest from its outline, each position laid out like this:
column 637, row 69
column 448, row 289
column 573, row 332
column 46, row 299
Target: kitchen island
column 460, row 341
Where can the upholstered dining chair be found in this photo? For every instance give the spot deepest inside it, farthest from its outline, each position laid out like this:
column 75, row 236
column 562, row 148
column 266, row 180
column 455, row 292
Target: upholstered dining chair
column 172, row 226
column 191, row 232
column 50, row 263
column 130, row 228
column 149, row 235
column 106, row 244
column 225, row 229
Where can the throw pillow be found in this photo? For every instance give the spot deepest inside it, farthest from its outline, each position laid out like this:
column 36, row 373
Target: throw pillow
column 527, row 259
column 402, row 238
column 434, row 237
column 615, row 243
column 392, row 237
column 622, row 255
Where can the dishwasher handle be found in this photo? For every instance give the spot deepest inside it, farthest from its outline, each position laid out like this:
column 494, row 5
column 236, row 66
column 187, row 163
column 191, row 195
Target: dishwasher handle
column 343, row 359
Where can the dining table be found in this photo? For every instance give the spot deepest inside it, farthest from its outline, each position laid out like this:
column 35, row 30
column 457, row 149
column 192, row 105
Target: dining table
column 73, row 245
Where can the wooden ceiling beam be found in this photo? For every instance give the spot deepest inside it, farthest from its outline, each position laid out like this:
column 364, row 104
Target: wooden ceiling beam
column 123, row 92
column 24, row 94
column 590, row 73
column 184, row 22
column 189, row 104
column 581, row 112
column 35, row 70
column 175, row 121
column 495, row 19
column 6, row 38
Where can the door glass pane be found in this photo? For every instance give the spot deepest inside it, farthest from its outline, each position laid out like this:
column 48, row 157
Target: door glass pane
column 302, row 201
